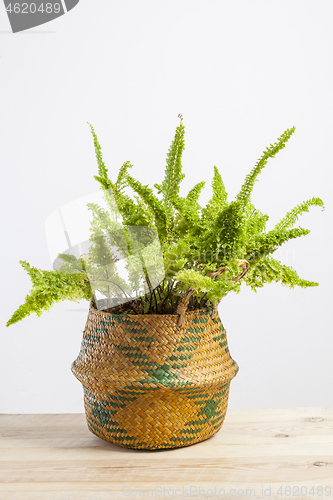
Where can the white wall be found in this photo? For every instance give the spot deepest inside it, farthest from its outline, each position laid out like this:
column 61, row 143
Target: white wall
column 240, row 72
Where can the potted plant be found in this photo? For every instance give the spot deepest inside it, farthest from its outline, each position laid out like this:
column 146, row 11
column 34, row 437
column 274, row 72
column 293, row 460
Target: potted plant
column 154, row 360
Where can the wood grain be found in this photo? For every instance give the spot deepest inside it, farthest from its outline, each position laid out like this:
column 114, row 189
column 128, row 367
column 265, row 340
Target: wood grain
column 257, row 454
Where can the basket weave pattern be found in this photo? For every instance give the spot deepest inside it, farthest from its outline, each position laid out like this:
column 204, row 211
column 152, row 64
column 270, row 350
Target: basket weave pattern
column 148, row 384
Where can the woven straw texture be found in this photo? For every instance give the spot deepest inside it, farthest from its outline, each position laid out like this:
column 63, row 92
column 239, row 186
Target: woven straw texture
column 150, row 385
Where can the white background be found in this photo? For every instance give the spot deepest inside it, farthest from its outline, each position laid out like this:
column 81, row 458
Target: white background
column 240, row 72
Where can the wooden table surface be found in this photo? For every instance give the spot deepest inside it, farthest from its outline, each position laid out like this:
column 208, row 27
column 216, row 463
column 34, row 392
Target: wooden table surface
column 262, row 454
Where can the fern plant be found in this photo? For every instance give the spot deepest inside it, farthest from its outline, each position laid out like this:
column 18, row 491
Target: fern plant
column 207, row 251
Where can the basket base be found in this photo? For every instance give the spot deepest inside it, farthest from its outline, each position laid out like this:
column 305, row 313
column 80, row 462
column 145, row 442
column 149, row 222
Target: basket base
column 169, row 419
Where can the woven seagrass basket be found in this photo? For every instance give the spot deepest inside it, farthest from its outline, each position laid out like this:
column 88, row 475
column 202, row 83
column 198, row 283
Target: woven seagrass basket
column 151, row 385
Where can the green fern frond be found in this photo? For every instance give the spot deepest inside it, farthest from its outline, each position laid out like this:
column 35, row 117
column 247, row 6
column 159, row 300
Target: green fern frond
column 50, row 287
column 172, row 177
column 154, row 204
column 175, row 257
column 121, row 179
column 133, row 214
column 102, row 178
column 215, row 205
column 269, row 242
column 291, row 217
column 255, row 222
column 220, row 195
column 268, row 270
column 246, row 189
column 194, row 193
column 189, row 208
column 213, row 289
column 227, row 237
column 102, row 225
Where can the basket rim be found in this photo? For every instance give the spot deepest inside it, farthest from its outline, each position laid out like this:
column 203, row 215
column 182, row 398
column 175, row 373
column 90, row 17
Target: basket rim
column 187, row 313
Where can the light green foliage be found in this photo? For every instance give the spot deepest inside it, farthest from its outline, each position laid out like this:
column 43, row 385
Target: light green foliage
column 267, row 243
column 214, row 290
column 245, row 193
column 173, row 172
column 102, row 178
column 291, row 217
column 175, row 257
column 226, row 239
column 269, row 269
column 188, row 209
column 153, row 204
column 195, row 241
column 169, row 189
column 217, row 202
column 50, row 287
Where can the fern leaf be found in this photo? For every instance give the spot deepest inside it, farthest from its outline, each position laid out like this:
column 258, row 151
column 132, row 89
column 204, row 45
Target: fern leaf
column 102, row 178
column 188, row 207
column 226, row 238
column 268, row 270
column 121, row 179
column 173, row 175
column 50, row 287
column 216, row 204
column 255, row 224
column 152, row 202
column 246, row 189
column 291, row 217
column 270, row 241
